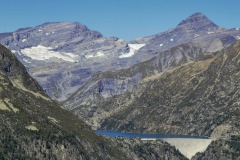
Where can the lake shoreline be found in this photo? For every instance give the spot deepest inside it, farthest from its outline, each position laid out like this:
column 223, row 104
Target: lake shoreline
column 146, row 135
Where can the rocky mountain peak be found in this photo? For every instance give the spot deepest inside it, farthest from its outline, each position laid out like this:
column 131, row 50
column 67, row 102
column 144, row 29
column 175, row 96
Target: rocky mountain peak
column 198, row 21
column 61, row 25
column 67, row 26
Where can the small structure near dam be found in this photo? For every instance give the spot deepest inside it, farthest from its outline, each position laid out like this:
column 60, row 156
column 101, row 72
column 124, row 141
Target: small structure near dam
column 188, row 145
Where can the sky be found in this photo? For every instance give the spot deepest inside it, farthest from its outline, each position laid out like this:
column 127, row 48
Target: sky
column 125, row 19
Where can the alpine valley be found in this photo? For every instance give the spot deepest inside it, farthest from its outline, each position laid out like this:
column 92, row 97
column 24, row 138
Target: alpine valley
column 182, row 81
column 33, row 126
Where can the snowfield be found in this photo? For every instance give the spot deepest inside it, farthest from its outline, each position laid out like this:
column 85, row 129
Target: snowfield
column 133, row 49
column 13, row 51
column 42, row 53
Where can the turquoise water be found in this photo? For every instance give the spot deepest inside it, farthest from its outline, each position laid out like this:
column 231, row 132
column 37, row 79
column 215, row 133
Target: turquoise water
column 142, row 135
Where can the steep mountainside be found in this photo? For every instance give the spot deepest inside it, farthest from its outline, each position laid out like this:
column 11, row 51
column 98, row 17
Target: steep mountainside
column 195, row 39
column 196, row 98
column 62, row 57
column 33, row 126
column 112, row 83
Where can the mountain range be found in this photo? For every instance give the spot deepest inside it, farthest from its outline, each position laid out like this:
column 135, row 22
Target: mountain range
column 182, row 81
column 63, row 56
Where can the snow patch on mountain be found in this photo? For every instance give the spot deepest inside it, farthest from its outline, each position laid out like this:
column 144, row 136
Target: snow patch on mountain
column 26, row 61
column 24, row 40
column 98, row 54
column 13, row 51
column 136, row 47
column 42, row 53
column 133, row 49
column 196, row 35
column 210, row 32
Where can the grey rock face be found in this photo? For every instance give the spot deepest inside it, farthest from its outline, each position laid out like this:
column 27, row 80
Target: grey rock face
column 45, row 49
column 98, row 99
column 111, row 83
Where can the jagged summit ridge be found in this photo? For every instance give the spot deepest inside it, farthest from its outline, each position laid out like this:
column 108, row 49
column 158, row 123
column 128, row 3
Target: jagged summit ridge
column 198, row 21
